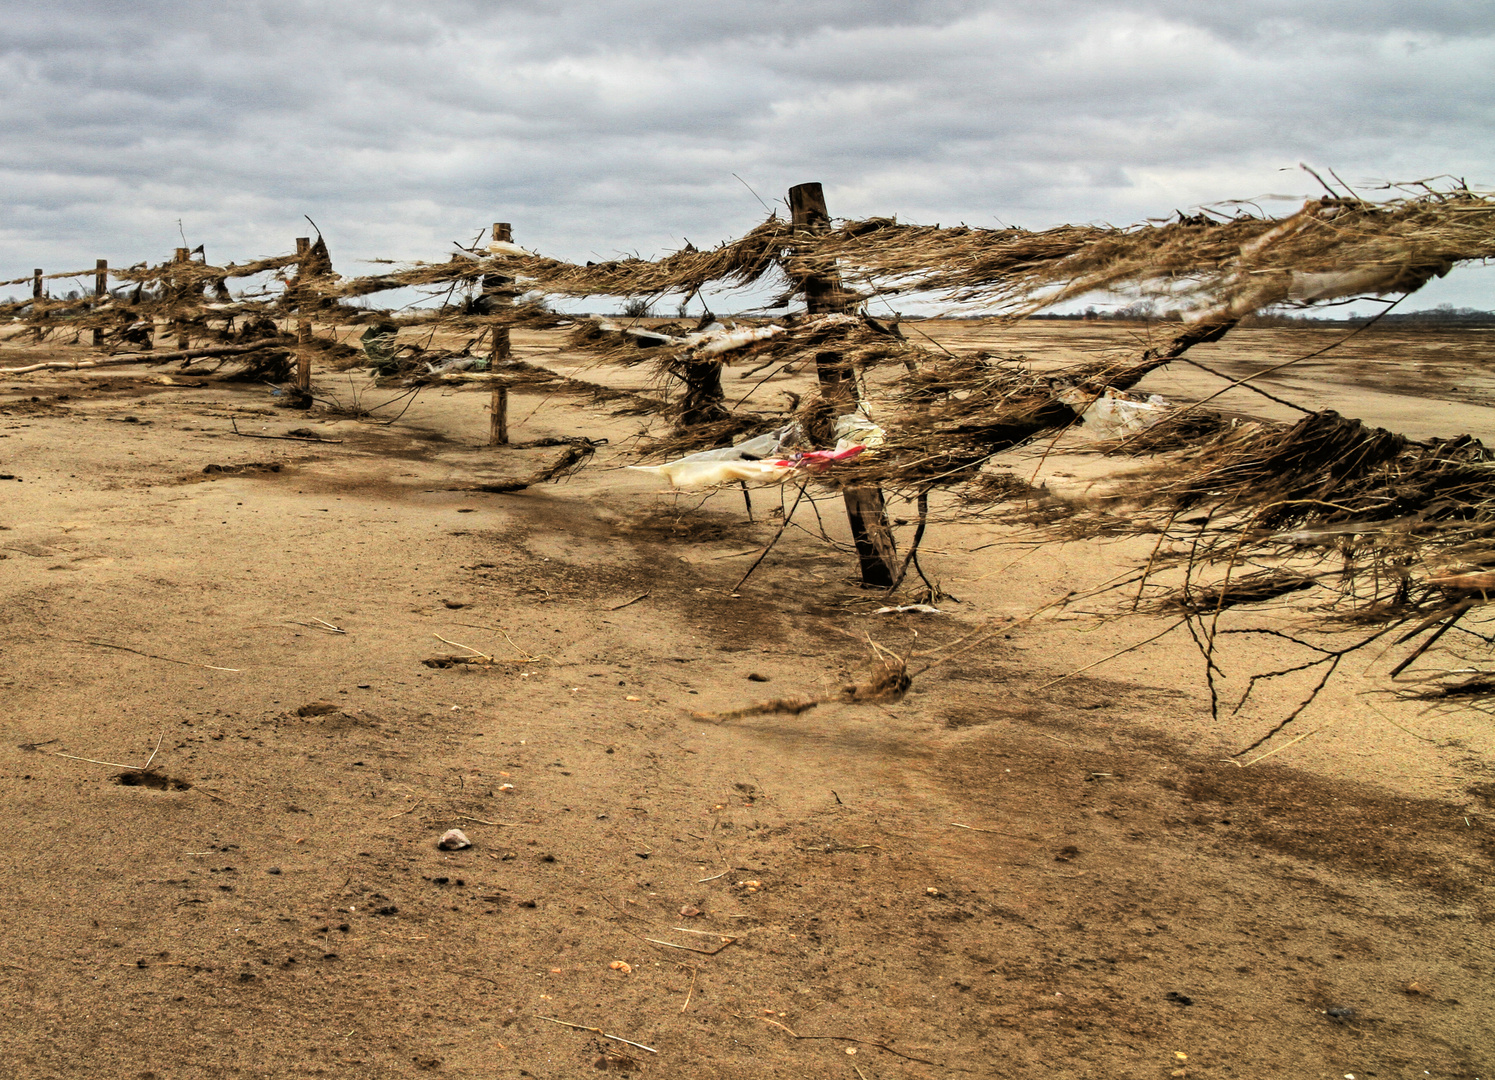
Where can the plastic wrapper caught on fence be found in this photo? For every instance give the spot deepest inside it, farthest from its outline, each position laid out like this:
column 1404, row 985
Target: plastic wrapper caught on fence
column 693, row 473
column 454, row 364
column 769, row 444
column 855, row 429
column 1115, row 414
column 378, row 343
column 715, row 343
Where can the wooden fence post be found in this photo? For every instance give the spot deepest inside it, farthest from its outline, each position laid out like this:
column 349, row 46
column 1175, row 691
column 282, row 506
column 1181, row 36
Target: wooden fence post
column 498, row 430
column 496, row 290
column 303, row 325
column 36, row 296
column 100, row 290
column 183, row 255
column 865, row 509
column 498, row 293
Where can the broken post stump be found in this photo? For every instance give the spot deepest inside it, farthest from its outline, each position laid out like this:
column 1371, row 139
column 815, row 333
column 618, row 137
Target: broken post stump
column 180, row 289
column 866, row 510
column 100, row 291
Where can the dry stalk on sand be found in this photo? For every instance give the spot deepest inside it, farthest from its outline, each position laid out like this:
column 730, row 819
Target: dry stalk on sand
column 888, row 681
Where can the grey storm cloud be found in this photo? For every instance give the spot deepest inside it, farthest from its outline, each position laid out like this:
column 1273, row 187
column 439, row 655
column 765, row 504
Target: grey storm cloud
column 619, row 125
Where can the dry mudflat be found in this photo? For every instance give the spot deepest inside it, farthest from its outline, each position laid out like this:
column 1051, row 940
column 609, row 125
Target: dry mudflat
column 998, row 875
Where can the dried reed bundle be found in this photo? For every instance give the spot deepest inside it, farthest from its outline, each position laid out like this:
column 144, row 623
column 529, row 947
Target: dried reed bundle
column 1331, row 248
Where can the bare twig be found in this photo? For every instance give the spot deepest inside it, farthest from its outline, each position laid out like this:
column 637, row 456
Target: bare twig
column 782, row 526
column 92, row 761
column 861, row 1042
column 692, row 948
column 596, row 1031
column 480, row 821
column 152, row 656
column 1113, row 656
column 154, row 752
column 285, row 438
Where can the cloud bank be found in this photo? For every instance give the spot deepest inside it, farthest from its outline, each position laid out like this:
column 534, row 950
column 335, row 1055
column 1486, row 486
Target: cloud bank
column 618, row 125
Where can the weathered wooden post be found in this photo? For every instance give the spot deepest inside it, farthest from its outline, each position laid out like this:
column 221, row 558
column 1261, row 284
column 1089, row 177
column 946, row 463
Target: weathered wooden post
column 100, row 290
column 303, row 325
column 498, row 293
column 865, row 509
column 498, row 431
column 183, row 255
column 36, row 297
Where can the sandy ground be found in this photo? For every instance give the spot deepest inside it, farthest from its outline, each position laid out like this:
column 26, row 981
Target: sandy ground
column 994, row 876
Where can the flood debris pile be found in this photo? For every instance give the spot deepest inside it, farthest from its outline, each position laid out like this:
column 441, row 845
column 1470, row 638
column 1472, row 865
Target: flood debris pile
column 1389, row 541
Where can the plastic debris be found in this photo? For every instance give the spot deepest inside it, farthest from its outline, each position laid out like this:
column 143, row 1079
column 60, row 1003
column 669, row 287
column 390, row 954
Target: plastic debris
column 692, row 472
column 923, row 609
column 856, row 429
column 458, row 363
column 378, row 343
column 768, row 445
column 1116, row 414
column 709, row 343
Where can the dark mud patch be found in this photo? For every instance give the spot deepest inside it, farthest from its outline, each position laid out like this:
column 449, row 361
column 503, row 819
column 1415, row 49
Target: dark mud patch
column 35, row 405
column 154, row 780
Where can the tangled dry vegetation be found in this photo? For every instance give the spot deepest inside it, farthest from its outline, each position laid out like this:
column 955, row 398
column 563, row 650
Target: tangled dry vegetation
column 1380, row 533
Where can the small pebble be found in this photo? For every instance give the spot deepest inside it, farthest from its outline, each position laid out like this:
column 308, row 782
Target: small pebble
column 273, row 870
column 621, row 965
column 453, row 840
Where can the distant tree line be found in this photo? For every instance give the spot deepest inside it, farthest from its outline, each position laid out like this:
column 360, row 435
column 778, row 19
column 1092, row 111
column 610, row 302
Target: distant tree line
column 1444, row 316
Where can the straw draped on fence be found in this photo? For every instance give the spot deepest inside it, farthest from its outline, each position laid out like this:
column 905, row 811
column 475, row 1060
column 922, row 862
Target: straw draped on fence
column 1412, row 524
column 1332, row 247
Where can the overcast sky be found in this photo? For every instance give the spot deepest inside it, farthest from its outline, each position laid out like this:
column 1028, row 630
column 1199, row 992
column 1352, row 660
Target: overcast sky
column 617, row 125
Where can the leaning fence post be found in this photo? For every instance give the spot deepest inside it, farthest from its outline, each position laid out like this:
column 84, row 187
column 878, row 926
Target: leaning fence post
column 100, row 290
column 303, row 325
column 865, row 509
